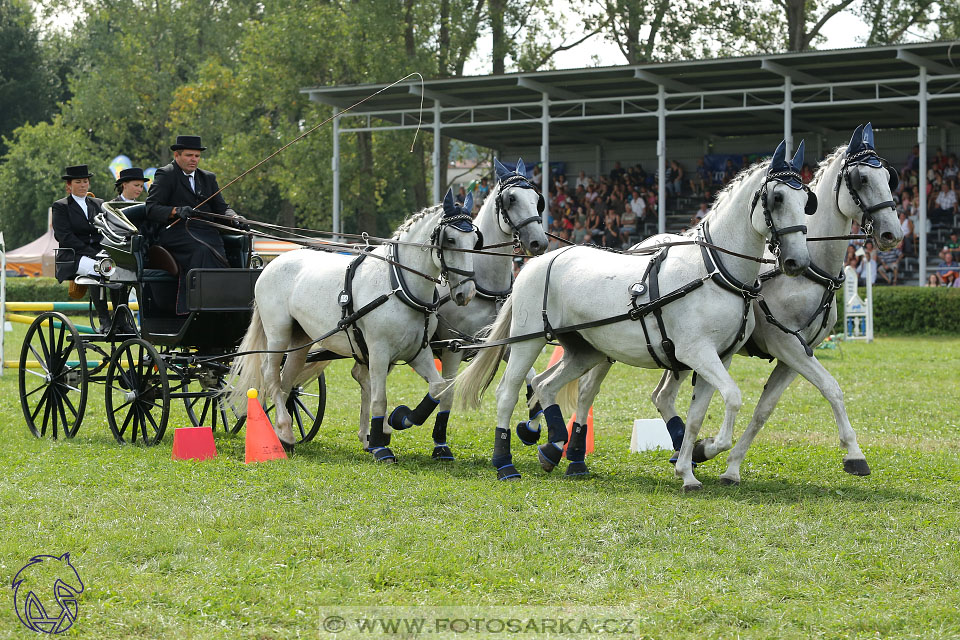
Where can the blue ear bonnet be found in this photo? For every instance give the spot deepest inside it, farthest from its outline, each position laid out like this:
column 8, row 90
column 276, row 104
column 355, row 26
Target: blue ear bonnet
column 784, row 171
column 457, row 215
column 862, row 142
column 505, row 174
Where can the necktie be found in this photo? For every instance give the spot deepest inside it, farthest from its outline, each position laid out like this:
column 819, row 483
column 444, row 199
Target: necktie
column 193, row 185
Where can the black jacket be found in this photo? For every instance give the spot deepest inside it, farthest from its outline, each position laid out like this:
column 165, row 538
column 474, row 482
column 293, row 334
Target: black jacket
column 76, row 231
column 170, row 188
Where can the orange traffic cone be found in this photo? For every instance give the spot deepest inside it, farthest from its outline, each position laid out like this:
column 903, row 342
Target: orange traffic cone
column 262, row 443
column 193, row 443
column 555, row 356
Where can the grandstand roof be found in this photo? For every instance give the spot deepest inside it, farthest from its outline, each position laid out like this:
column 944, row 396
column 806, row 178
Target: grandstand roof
column 831, row 90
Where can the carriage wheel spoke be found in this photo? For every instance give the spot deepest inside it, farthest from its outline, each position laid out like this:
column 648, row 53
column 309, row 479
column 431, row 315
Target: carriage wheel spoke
column 126, row 421
column 60, row 337
column 40, row 405
column 156, row 427
column 63, row 415
column 203, row 413
column 69, row 403
column 41, row 359
column 30, row 393
column 46, row 411
column 305, row 409
column 54, row 403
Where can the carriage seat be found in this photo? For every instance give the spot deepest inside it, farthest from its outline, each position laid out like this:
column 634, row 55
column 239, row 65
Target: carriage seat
column 160, row 265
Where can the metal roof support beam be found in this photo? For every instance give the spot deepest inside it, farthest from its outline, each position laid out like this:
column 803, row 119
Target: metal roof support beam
column 788, row 115
column 437, row 169
column 681, row 87
column 545, row 156
column 439, row 97
column 554, row 92
column 335, row 165
column 662, row 159
column 787, row 72
column 924, row 63
column 922, row 141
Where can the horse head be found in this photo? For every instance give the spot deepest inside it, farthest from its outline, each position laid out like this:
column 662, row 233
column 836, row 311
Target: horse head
column 454, row 237
column 520, row 208
column 786, row 202
column 870, row 182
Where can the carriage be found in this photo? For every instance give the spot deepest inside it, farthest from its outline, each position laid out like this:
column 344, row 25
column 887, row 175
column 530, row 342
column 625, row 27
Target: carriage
column 167, row 358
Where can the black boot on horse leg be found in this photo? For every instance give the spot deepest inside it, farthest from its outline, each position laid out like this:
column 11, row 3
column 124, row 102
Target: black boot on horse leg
column 502, row 458
column 577, row 451
column 441, row 452
column 403, row 418
column 378, row 441
column 525, row 431
column 551, row 453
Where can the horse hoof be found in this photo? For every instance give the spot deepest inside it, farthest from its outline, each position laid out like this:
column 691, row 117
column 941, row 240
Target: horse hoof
column 690, row 488
column 508, row 472
column 699, row 450
column 549, row 455
column 576, row 470
column 729, row 482
column 856, row 467
column 383, row 454
column 527, row 435
column 442, row 453
column 287, row 446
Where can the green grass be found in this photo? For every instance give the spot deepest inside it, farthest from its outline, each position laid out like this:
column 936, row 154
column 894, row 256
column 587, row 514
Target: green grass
column 219, row 549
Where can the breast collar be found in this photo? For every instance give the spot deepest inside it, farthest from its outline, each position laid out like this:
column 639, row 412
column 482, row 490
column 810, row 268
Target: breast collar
column 403, row 292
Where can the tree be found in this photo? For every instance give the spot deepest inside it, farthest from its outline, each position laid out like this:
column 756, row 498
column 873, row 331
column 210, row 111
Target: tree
column 28, row 89
column 30, row 175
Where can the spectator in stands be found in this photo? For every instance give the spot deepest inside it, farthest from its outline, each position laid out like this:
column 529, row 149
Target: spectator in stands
column 579, row 231
column 617, row 172
column 611, row 230
column 700, row 181
column 953, row 243
column 851, row 259
column 729, row 171
column 677, row 174
column 588, row 238
column 888, row 266
column 483, row 189
column 638, row 205
column 461, row 195
column 913, row 159
column 806, row 173
column 537, row 178
column 947, row 269
column 582, row 180
column 855, row 231
column 560, row 184
column 907, row 227
column 594, row 222
column 950, row 170
column 868, row 264
column 698, row 216
column 628, row 224
column 932, row 281
column 945, row 206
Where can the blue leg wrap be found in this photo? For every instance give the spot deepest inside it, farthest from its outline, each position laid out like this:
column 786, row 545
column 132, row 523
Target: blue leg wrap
column 527, row 434
column 577, row 451
column 441, row 451
column 502, row 459
column 379, row 441
column 556, row 428
column 403, row 418
column 676, row 428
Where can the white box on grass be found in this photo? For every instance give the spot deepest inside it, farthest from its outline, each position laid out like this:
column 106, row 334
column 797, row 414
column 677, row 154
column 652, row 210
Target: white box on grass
column 650, row 434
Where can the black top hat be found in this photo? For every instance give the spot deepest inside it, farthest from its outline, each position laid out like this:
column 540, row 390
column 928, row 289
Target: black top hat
column 187, row 142
column 76, row 172
column 133, row 173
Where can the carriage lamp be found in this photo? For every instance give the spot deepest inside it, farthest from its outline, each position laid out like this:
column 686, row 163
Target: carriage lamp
column 256, row 262
column 106, row 267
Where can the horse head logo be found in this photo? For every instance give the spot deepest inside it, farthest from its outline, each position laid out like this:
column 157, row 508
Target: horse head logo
column 45, row 593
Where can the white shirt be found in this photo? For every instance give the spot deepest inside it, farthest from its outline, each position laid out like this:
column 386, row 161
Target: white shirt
column 193, row 186
column 637, row 205
column 82, row 202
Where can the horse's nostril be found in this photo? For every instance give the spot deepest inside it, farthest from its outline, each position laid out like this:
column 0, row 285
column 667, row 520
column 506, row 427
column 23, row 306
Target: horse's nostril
column 534, row 246
column 887, row 237
column 790, row 265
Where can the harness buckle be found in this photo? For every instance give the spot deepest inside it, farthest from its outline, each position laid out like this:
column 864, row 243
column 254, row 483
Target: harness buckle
column 343, row 299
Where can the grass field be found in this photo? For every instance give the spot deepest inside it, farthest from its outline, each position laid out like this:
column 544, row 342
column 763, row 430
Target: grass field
column 218, row 549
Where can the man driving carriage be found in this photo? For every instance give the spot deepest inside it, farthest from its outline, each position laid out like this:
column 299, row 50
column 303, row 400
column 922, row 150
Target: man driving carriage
column 178, row 197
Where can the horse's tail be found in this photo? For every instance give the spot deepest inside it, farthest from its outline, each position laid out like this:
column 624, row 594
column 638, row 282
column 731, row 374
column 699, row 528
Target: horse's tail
column 473, row 382
column 247, row 370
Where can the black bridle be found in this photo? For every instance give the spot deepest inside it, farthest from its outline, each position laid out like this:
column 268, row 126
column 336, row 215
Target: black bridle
column 766, row 197
column 436, row 239
column 850, row 175
column 520, row 182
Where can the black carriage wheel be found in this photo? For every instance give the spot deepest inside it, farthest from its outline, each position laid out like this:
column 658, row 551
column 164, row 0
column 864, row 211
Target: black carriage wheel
column 137, row 394
column 306, row 405
column 209, row 411
column 58, row 388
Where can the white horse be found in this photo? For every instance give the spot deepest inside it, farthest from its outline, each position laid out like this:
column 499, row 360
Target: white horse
column 378, row 307
column 512, row 211
column 853, row 183
column 702, row 314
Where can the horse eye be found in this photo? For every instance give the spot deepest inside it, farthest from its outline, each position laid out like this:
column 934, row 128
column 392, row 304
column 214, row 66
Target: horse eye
column 513, row 199
column 451, row 241
column 863, row 180
column 778, row 198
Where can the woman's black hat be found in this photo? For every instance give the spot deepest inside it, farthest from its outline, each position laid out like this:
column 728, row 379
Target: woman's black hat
column 187, row 142
column 75, row 172
column 133, row 173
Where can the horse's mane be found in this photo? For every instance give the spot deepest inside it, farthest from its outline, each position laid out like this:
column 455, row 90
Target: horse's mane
column 822, row 167
column 744, row 175
column 413, row 219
